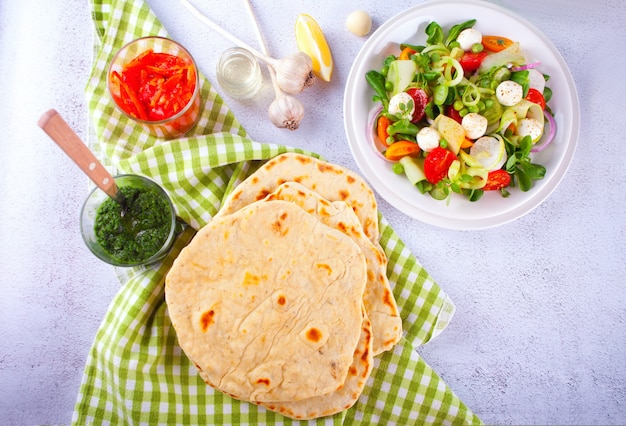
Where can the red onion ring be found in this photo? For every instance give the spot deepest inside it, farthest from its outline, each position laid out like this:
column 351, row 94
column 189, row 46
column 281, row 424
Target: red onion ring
column 544, row 143
column 370, row 133
column 525, row 67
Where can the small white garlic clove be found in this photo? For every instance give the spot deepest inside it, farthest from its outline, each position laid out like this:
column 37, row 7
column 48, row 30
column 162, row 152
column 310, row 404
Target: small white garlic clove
column 286, row 112
column 294, row 72
column 359, row 23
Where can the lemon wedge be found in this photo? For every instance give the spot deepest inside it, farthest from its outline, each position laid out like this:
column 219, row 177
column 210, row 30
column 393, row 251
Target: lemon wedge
column 311, row 40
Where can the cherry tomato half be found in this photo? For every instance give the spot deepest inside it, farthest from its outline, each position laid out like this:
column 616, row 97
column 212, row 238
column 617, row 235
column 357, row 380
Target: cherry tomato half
column 470, row 61
column 497, row 179
column 496, row 43
column 400, row 149
column 420, row 99
column 437, row 163
column 536, row 96
column 453, row 114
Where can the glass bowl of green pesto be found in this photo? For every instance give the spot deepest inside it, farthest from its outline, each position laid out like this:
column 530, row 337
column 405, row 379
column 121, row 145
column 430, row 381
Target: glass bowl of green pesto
column 142, row 235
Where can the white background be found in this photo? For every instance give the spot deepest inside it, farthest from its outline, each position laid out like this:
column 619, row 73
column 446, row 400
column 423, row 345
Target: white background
column 539, row 335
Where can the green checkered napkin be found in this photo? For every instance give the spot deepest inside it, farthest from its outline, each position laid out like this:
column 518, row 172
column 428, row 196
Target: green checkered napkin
column 136, row 373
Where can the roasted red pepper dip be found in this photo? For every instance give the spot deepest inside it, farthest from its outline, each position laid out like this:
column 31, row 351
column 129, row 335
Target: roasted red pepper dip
column 155, row 87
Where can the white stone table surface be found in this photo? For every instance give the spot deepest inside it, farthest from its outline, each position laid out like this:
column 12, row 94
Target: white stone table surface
column 539, row 335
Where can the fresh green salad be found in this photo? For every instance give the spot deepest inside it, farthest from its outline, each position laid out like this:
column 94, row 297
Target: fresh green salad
column 462, row 113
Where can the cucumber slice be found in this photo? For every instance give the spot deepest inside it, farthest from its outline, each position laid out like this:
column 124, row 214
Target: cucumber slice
column 401, row 73
column 413, row 169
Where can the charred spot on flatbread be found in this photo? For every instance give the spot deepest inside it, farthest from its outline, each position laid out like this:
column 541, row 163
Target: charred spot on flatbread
column 206, row 320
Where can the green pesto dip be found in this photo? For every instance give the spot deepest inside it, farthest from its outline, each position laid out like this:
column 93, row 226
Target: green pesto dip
column 141, row 232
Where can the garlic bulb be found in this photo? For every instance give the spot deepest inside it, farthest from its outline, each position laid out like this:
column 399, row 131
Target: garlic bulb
column 294, row 72
column 285, row 111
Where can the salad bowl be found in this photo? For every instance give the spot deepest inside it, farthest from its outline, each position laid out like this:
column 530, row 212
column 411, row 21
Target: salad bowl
column 457, row 212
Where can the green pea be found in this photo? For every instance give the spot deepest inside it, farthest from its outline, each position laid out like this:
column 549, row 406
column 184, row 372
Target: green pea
column 472, row 108
column 458, row 105
column 435, row 57
column 397, row 168
column 463, row 112
column 481, row 105
column 493, row 85
column 388, row 86
column 443, row 143
column 384, row 70
column 489, row 103
column 477, row 47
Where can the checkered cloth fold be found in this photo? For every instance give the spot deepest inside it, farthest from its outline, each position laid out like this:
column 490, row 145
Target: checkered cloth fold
column 136, row 373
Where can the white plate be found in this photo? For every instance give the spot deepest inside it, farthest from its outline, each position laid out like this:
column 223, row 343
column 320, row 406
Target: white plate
column 492, row 209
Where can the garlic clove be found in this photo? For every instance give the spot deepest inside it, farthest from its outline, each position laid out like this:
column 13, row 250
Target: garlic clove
column 359, row 23
column 286, row 112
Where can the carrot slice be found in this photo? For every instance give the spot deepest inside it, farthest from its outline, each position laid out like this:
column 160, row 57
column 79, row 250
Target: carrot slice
column 406, row 53
column 467, row 143
column 381, row 129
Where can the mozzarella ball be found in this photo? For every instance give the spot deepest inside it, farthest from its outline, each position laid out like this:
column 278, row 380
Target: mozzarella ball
column 509, row 93
column 529, row 126
column 469, row 37
column 402, row 105
column 428, row 139
column 475, row 125
column 359, row 23
column 489, row 152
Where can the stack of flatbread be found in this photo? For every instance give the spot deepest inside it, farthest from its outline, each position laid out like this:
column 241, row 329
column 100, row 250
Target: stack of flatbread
column 282, row 298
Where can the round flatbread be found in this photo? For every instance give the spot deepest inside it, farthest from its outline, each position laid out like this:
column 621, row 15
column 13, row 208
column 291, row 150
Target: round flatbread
column 267, row 302
column 341, row 399
column 378, row 298
column 333, row 182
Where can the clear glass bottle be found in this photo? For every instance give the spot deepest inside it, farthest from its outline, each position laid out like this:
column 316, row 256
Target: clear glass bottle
column 239, row 73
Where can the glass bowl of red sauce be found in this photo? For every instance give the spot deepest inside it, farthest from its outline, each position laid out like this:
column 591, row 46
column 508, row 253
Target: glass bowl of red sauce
column 154, row 81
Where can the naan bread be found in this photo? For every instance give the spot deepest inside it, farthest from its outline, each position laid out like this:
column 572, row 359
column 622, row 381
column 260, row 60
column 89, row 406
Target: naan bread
column 333, row 182
column 341, row 399
column 267, row 302
column 379, row 301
